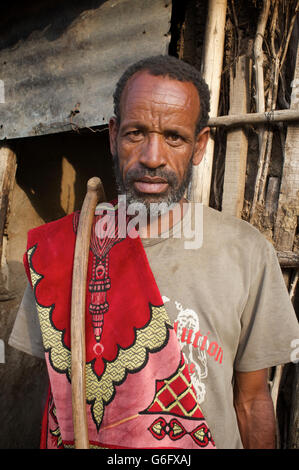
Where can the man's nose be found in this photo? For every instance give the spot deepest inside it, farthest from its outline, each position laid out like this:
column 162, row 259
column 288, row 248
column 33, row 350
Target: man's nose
column 153, row 151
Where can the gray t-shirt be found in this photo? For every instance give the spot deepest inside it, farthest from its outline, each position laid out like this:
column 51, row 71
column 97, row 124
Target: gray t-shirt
column 227, row 301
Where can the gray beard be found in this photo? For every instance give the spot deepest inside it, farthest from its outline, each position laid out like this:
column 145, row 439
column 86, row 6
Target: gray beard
column 155, row 204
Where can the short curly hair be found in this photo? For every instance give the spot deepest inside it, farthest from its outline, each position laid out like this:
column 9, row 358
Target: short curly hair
column 167, row 66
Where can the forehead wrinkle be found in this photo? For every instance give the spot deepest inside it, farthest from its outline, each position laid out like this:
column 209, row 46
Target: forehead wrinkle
column 154, row 117
column 158, row 86
column 164, row 98
column 160, row 98
column 156, row 108
column 170, row 105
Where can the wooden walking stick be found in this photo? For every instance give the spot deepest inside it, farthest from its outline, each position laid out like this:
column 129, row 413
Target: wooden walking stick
column 95, row 194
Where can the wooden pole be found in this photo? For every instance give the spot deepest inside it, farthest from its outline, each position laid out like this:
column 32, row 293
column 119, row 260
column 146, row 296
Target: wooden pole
column 236, row 145
column 7, row 176
column 243, row 119
column 271, row 200
column 288, row 204
column 293, row 439
column 211, row 71
column 284, row 234
column 260, row 95
column 95, row 193
column 288, row 259
column 8, row 166
column 259, row 57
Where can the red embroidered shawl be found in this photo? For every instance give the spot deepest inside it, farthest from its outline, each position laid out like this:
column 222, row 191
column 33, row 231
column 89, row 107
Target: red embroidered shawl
column 139, row 392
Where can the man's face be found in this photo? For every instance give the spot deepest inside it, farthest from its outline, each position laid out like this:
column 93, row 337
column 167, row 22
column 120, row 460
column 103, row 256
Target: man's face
column 154, row 146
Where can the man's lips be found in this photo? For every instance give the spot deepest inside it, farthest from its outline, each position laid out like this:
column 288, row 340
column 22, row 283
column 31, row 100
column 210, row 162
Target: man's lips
column 151, row 185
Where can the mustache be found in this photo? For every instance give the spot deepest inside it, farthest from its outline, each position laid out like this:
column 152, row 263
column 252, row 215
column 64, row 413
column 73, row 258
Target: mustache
column 137, row 173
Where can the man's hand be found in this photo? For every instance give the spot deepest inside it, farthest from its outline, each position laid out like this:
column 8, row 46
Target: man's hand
column 254, row 408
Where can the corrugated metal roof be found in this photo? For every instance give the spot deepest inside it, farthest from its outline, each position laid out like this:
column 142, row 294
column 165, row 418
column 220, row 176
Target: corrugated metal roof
column 64, row 61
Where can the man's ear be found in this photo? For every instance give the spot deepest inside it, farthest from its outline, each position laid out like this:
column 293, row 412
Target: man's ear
column 200, row 145
column 113, row 131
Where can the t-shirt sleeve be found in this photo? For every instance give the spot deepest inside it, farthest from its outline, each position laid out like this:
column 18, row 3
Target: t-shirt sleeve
column 268, row 323
column 26, row 334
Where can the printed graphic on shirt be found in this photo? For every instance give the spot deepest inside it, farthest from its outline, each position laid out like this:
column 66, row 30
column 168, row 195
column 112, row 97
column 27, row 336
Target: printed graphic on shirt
column 197, row 345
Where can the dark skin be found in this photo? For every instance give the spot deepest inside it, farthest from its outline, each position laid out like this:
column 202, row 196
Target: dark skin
column 254, row 407
column 157, row 130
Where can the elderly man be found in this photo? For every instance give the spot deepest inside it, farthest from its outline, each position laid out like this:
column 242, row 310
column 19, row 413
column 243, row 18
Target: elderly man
column 179, row 336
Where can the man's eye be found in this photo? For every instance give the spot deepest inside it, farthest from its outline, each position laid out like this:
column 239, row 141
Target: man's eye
column 172, row 137
column 134, row 134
